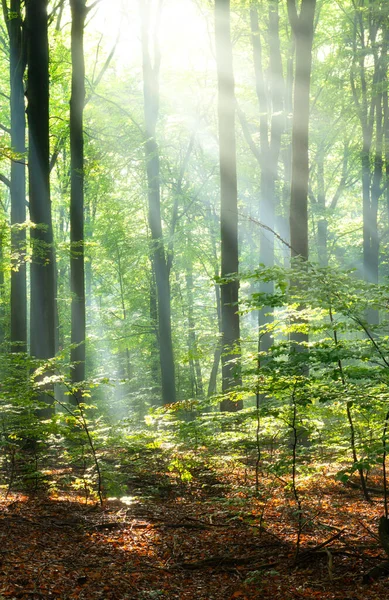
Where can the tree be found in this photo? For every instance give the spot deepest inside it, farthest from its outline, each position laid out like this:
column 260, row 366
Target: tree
column 77, row 276
column 159, row 259
column 228, row 203
column 270, row 95
column 3, row 230
column 368, row 85
column 323, row 207
column 196, row 378
column 17, row 64
column 42, row 309
column 303, row 26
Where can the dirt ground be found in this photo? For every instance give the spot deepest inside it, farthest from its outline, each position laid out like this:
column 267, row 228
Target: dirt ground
column 205, row 544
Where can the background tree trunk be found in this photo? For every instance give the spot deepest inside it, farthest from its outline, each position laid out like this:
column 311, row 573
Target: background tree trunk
column 151, row 108
column 228, row 205
column 271, row 105
column 194, row 362
column 42, row 319
column 77, row 277
column 302, row 26
column 18, row 178
column 42, row 271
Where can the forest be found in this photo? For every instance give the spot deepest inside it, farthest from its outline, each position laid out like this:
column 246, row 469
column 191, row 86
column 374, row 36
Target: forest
column 194, row 295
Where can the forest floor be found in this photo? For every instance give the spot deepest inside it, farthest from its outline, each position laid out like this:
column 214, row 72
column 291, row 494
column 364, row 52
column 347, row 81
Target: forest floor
column 207, row 540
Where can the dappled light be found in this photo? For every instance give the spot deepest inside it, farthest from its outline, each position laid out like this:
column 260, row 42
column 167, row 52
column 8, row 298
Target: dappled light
column 194, row 348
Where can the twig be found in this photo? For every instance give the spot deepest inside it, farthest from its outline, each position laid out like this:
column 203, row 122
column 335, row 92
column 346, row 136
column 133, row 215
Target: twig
column 310, row 551
column 220, row 561
column 373, row 535
column 330, row 564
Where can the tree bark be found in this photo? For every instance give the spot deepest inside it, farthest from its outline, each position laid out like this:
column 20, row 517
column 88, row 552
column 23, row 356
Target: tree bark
column 271, row 106
column 194, row 362
column 151, row 109
column 77, row 275
column 42, row 315
column 18, row 178
column 369, row 99
column 2, row 295
column 42, row 270
column 302, row 26
column 212, row 383
column 231, row 377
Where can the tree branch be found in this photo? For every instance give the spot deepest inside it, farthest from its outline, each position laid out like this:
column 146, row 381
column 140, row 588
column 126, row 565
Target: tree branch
column 247, row 135
column 5, row 180
column 292, row 14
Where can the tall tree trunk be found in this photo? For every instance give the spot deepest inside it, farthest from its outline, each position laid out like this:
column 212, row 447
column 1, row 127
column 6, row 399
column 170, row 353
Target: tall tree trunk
column 369, row 100
column 18, row 177
column 302, row 26
column 229, row 204
column 42, row 315
column 151, row 109
column 88, row 233
column 128, row 370
column 271, row 105
column 284, row 221
column 218, row 348
column 322, row 225
column 266, row 206
column 77, row 276
column 194, row 361
column 154, row 347
column 212, row 383
column 385, row 108
column 376, row 189
column 2, row 295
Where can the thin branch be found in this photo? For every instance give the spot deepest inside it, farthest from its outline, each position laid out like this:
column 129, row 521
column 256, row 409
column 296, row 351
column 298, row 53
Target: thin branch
column 292, row 14
column 277, row 235
column 6, row 129
column 95, row 82
column 247, row 135
column 123, row 110
column 93, row 5
column 5, row 180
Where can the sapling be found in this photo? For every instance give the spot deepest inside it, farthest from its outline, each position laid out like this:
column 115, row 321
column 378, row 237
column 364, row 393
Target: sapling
column 296, row 494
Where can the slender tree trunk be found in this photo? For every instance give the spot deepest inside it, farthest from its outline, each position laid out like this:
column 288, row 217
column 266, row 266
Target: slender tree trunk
column 18, row 179
column 2, row 295
column 77, row 275
column 322, row 225
column 368, row 104
column 218, row 349
column 154, row 349
column 376, row 190
column 268, row 174
column 385, row 108
column 302, row 26
column 192, row 338
column 229, row 204
column 212, row 383
column 151, row 108
column 42, row 310
column 88, row 264
column 128, row 370
column 366, row 205
column 284, row 221
column 271, row 105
